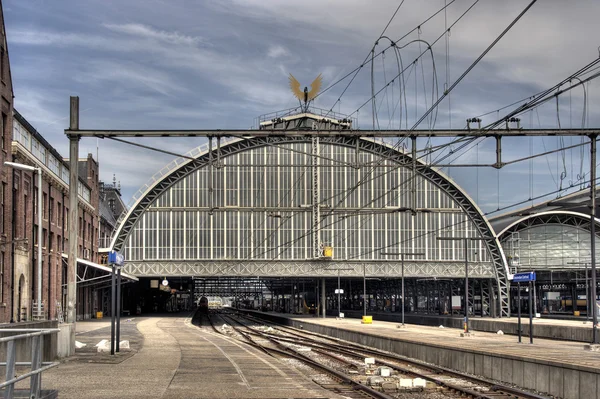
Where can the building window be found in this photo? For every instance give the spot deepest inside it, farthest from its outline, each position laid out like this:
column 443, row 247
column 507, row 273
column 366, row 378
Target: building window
column 2, row 64
column 44, row 206
column 51, row 210
column 4, row 129
column 2, row 276
column 3, row 213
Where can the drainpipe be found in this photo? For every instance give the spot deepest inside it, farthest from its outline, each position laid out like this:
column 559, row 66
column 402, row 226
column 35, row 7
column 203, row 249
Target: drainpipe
column 12, row 256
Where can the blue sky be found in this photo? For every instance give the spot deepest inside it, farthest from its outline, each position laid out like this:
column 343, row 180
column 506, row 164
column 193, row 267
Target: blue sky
column 182, row 64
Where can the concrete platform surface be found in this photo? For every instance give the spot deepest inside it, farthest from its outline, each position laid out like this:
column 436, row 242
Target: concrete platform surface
column 544, row 327
column 171, row 358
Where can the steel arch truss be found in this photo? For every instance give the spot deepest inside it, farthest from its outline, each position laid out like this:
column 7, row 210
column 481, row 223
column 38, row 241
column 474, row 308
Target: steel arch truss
column 383, row 269
column 574, row 219
column 456, row 194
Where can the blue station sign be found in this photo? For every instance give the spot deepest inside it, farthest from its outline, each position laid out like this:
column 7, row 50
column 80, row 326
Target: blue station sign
column 116, row 258
column 524, row 277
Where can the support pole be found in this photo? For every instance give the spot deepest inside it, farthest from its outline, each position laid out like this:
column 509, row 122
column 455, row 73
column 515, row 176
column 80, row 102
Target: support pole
column 323, row 299
column 519, row 328
column 364, row 290
column 71, row 310
column 113, row 309
column 593, row 236
column 39, row 248
column 339, row 296
column 530, row 316
column 118, row 339
column 402, row 261
column 466, row 243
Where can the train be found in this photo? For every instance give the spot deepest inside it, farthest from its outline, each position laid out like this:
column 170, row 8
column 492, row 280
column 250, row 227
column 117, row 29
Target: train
column 203, row 305
column 309, row 303
column 209, row 303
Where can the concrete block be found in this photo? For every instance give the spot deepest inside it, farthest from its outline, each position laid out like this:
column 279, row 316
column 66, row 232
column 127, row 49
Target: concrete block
column 469, row 362
column 65, row 341
column 529, row 375
column 419, row 382
column 587, row 384
column 487, row 366
column 570, row 384
column 431, row 355
column 406, row 382
column 507, row 370
column 556, row 382
column 542, row 378
column 517, row 373
column 477, row 364
column 444, row 358
column 497, row 368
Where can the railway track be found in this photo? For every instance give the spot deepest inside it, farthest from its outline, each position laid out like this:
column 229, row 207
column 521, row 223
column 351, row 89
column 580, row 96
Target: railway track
column 339, row 382
column 452, row 382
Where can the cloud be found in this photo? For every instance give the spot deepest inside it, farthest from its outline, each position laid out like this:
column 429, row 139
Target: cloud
column 148, row 32
column 220, row 64
column 277, row 52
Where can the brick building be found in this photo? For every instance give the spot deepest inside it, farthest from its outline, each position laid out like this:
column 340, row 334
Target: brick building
column 30, row 148
column 6, row 178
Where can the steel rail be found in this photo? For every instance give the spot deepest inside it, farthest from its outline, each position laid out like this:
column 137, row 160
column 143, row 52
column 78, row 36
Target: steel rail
column 286, row 351
column 494, row 386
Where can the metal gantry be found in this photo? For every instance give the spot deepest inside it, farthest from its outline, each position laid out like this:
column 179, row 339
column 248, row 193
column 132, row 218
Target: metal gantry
column 351, row 137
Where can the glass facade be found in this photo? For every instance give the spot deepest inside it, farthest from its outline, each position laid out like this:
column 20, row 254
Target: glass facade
column 548, row 246
column 258, row 207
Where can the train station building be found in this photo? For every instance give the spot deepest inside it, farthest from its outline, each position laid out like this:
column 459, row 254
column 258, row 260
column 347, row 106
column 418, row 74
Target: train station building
column 269, row 209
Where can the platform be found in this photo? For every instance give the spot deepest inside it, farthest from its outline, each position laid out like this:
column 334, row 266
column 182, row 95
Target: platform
column 171, row 358
column 565, row 329
column 557, row 367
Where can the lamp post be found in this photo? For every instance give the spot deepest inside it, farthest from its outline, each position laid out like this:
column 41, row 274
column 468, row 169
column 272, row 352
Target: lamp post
column 402, row 255
column 466, row 247
column 338, row 290
column 39, row 251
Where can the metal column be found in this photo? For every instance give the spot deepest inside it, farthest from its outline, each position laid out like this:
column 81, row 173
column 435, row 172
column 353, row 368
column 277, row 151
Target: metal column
column 71, row 310
column 593, row 236
column 323, row 298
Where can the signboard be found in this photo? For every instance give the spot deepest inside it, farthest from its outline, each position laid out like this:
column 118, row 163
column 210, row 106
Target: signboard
column 116, row 258
column 524, row 277
column 339, row 291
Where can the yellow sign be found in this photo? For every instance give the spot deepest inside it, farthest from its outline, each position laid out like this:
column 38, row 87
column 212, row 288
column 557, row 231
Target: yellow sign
column 306, row 95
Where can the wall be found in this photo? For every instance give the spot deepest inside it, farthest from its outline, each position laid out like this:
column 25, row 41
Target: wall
column 24, row 345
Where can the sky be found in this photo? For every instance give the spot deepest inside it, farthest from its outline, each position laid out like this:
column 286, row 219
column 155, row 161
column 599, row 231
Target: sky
column 183, row 64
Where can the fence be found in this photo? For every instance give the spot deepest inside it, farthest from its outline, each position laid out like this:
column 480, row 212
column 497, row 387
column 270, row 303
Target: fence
column 37, row 364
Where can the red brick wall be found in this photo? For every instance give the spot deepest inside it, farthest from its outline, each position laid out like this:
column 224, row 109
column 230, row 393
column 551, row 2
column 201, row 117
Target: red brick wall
column 6, row 106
